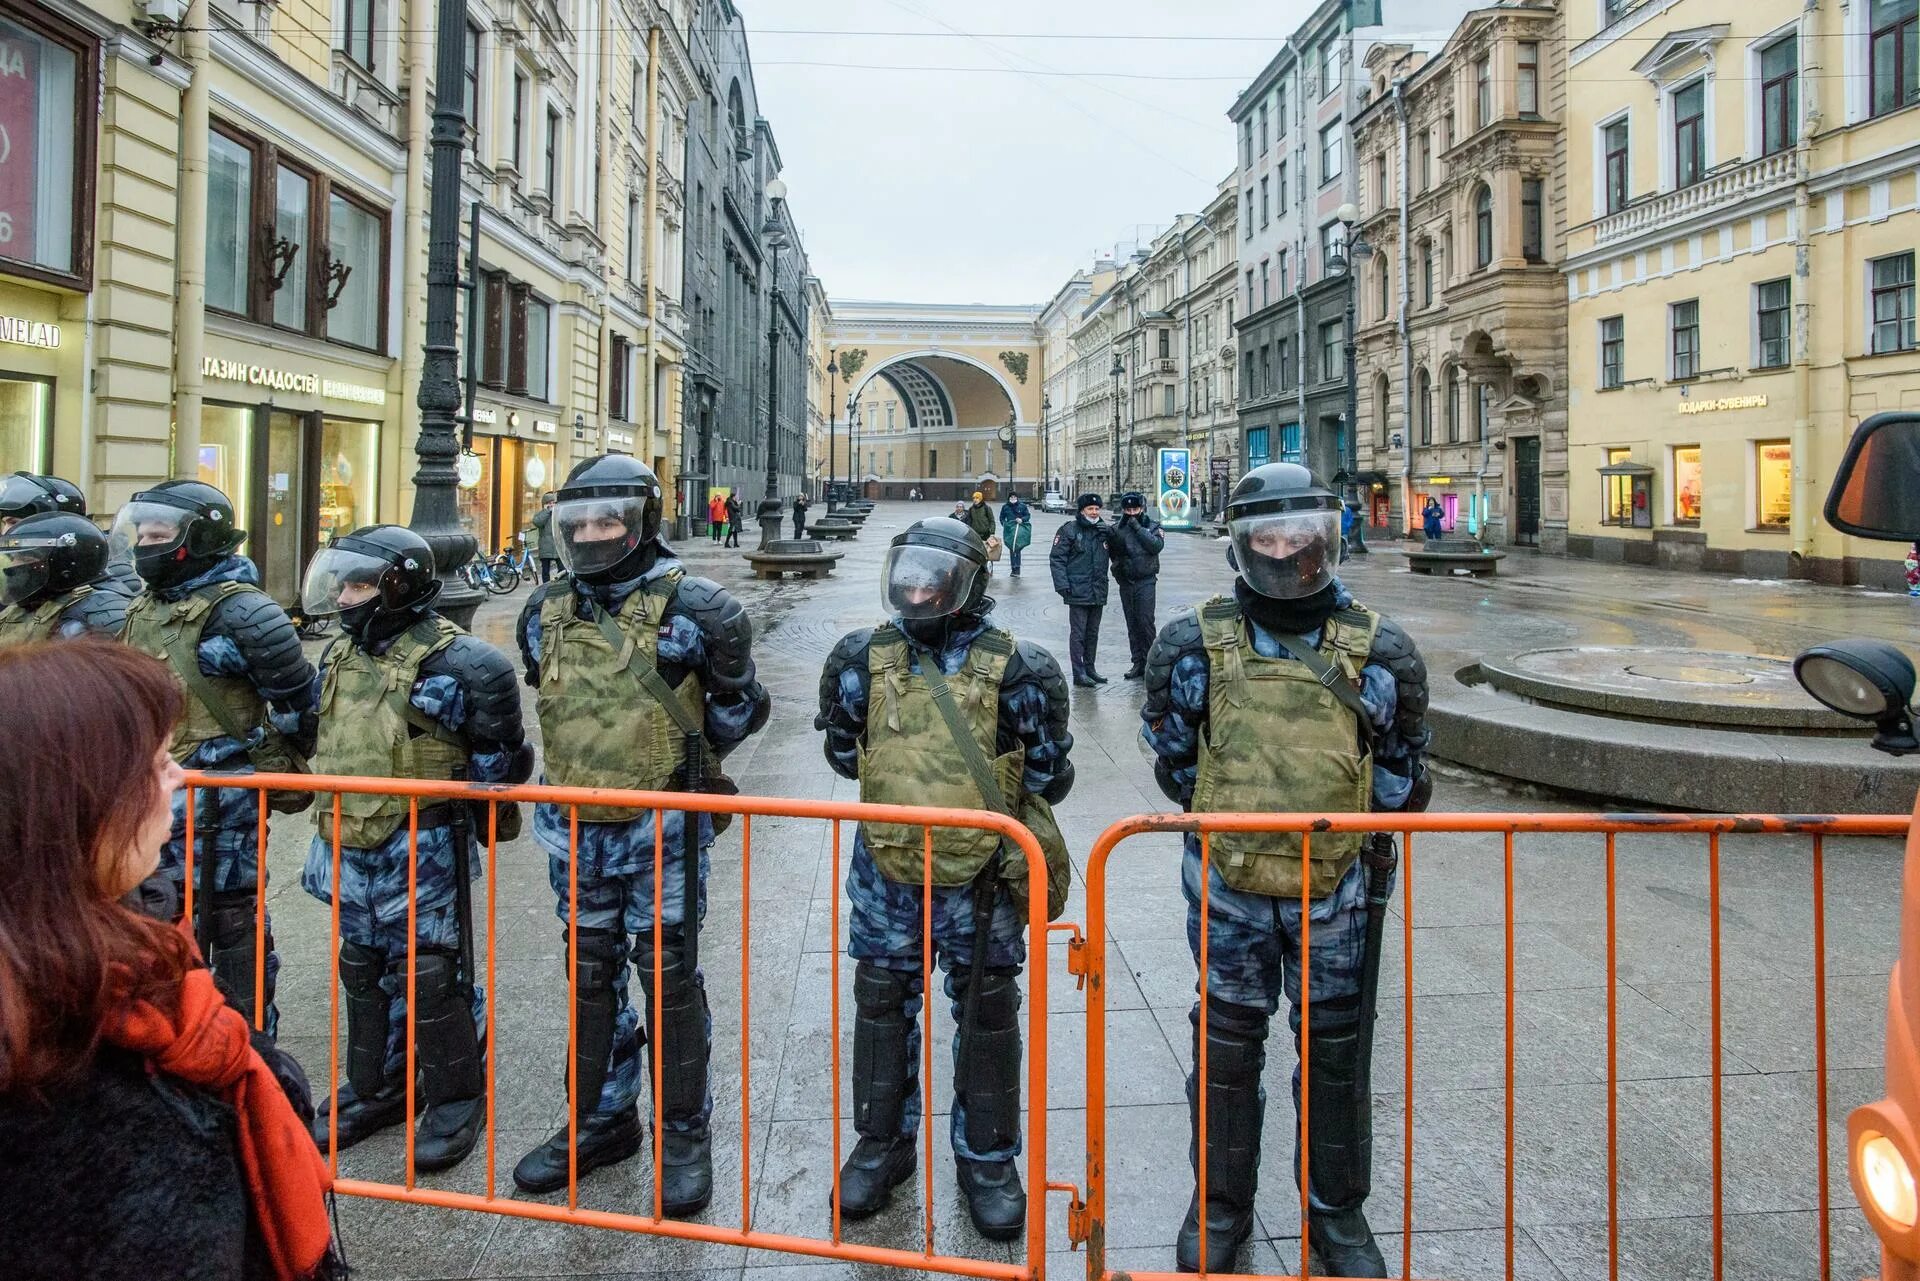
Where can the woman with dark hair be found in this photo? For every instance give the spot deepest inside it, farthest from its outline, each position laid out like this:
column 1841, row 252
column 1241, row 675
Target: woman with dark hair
column 141, row 1132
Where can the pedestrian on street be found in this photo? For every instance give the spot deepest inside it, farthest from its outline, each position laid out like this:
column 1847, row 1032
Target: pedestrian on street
column 979, row 517
column 544, row 549
column 1016, row 528
column 248, row 689
column 1136, row 545
column 1430, row 517
column 646, row 680
column 1307, row 702
column 736, row 512
column 459, row 719
column 1079, row 560
column 938, row 706
column 800, row 506
column 143, row 1131
column 716, row 516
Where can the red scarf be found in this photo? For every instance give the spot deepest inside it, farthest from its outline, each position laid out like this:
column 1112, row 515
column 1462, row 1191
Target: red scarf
column 286, row 1177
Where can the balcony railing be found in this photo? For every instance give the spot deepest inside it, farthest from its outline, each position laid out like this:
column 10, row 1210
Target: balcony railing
column 1729, row 186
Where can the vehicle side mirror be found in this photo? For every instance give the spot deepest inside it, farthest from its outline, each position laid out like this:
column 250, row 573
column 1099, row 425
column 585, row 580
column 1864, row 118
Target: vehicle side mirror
column 1876, row 492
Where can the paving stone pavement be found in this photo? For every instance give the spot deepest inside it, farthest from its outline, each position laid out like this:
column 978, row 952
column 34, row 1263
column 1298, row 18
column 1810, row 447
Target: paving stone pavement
column 1457, row 982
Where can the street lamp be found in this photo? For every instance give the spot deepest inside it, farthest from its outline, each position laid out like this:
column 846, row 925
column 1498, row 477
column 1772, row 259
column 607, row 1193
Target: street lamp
column 853, row 440
column 1118, row 372
column 775, row 237
column 1010, row 437
column 1046, row 478
column 1351, row 249
column 833, row 416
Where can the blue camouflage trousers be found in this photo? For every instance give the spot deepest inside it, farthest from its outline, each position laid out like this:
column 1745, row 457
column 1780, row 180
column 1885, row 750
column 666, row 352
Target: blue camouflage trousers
column 622, row 904
column 884, row 929
column 373, row 913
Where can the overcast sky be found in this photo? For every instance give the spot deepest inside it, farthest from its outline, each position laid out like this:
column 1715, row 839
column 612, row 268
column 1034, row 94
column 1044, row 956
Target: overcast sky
column 914, row 180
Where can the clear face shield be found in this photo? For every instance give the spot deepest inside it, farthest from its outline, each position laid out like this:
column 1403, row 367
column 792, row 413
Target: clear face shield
column 144, row 527
column 597, row 533
column 20, row 497
column 927, row 582
column 339, row 579
column 24, row 568
column 1288, row 555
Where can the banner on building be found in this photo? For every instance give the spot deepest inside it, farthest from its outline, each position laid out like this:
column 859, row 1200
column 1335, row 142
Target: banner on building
column 1175, row 488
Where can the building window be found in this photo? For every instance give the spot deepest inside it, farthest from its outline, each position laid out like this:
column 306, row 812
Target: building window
column 355, row 275
column 1384, row 280
column 1893, row 327
column 1380, row 181
column 1287, row 371
column 357, row 32
column 1773, row 483
column 1246, row 143
column 1263, row 128
column 1280, row 181
column 519, row 122
column 1483, row 93
column 1625, row 500
column 635, row 240
column 1772, row 323
column 1263, row 201
column 1689, row 134
column 1527, row 79
column 1167, row 405
column 293, row 246
column 1779, row 95
column 1331, row 342
column 1280, row 110
column 551, row 167
column 1258, row 452
column 1446, row 130
column 1330, row 66
column 1686, row 484
column 46, row 169
column 1166, row 343
column 1266, row 370
column 1426, row 159
column 1532, row 221
column 1483, row 228
column 1249, row 215
column 1332, row 240
column 470, row 93
column 1613, row 144
column 1286, row 280
column 1685, row 321
column 1613, row 352
column 539, row 324
column 1424, row 407
column 1290, row 450
column 1482, row 411
column 229, row 223
column 1894, row 55
column 1266, row 282
column 1426, row 273
column 1453, row 405
column 617, row 406
column 1331, row 158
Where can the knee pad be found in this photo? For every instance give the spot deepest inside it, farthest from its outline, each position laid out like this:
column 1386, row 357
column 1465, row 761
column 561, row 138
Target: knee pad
column 1236, row 1042
column 361, row 967
column 231, row 919
column 436, row 977
column 997, row 1005
column 880, row 993
column 600, row 955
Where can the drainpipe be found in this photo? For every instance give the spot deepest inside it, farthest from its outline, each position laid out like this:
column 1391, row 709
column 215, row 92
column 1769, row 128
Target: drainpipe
column 413, row 274
column 603, row 223
column 1406, row 305
column 648, row 199
column 190, row 248
column 1299, row 246
column 1805, row 499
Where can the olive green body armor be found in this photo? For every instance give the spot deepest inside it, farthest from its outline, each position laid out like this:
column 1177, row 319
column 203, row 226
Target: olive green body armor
column 21, row 624
column 601, row 726
column 170, row 631
column 1275, row 733
column 369, row 728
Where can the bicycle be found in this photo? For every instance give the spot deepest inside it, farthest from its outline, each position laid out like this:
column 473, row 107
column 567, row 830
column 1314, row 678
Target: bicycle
column 480, row 573
column 521, row 565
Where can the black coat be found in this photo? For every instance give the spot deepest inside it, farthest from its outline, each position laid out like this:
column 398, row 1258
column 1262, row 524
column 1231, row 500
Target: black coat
column 1135, row 545
column 1079, row 560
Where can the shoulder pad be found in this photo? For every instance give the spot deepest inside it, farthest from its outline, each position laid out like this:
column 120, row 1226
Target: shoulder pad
column 1034, row 661
column 276, row 664
column 493, row 695
column 1394, row 650
column 725, row 624
column 102, row 611
column 850, row 652
column 1180, row 636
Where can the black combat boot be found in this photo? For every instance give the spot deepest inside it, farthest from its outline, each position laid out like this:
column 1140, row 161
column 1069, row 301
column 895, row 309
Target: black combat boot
column 367, row 1101
column 681, row 1039
column 987, row 1069
column 1341, row 1122
column 233, row 954
column 1236, row 1107
column 605, row 1138
column 882, row 1079
column 452, row 1074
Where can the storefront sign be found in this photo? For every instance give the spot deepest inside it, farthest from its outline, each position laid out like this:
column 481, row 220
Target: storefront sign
column 354, row 392
column 22, row 332
column 239, row 371
column 470, row 469
column 1725, row 402
column 545, row 426
column 1175, row 488
column 1439, row 480
column 484, row 417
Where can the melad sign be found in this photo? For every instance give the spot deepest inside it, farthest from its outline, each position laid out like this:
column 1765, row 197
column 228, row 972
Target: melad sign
column 22, row 332
column 238, row 371
column 1174, row 484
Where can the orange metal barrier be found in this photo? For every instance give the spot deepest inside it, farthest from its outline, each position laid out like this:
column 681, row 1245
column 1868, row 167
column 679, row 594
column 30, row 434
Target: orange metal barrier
column 1089, row 1223
column 831, row 1246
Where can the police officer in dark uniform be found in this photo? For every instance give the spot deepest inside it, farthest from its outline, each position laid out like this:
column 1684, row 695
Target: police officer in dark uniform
column 405, row 693
column 894, row 701
column 54, row 582
column 237, row 656
column 1287, row 695
column 646, row 680
column 24, row 494
column 1136, row 544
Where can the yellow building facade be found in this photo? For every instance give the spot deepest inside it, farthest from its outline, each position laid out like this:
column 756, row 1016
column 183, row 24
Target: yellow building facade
column 1741, row 185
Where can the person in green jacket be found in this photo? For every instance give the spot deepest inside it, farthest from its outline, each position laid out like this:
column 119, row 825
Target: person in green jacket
column 1016, row 528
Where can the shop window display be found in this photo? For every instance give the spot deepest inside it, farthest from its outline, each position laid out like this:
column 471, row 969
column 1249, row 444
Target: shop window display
column 1619, row 490
column 1686, row 485
column 226, row 455
column 1773, row 482
column 349, row 476
column 26, row 415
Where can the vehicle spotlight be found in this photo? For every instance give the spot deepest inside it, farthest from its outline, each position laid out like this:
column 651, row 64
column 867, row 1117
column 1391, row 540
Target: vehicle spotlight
column 1866, row 679
column 1888, row 1179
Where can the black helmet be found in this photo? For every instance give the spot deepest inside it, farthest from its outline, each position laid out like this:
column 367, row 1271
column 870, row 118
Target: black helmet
column 177, row 529
column 44, row 555
column 608, row 519
column 391, row 563
column 24, row 494
column 935, row 569
column 1285, row 527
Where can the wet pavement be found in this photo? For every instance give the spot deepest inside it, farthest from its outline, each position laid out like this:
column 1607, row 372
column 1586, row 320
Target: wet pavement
column 1458, row 979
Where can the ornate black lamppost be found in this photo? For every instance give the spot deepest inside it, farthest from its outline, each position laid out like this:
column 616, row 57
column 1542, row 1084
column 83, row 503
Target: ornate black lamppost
column 774, row 235
column 833, row 421
column 1118, row 371
column 1351, row 250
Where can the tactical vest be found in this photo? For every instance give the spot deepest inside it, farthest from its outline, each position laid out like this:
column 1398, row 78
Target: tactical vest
column 170, row 631
column 370, row 728
column 908, row 756
column 1278, row 740
column 20, row 624
column 601, row 726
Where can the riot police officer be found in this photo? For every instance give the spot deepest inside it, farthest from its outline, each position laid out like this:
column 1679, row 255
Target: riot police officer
column 24, row 494
column 895, row 702
column 1305, row 701
column 55, row 582
column 247, row 684
column 646, row 680
column 405, row 693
